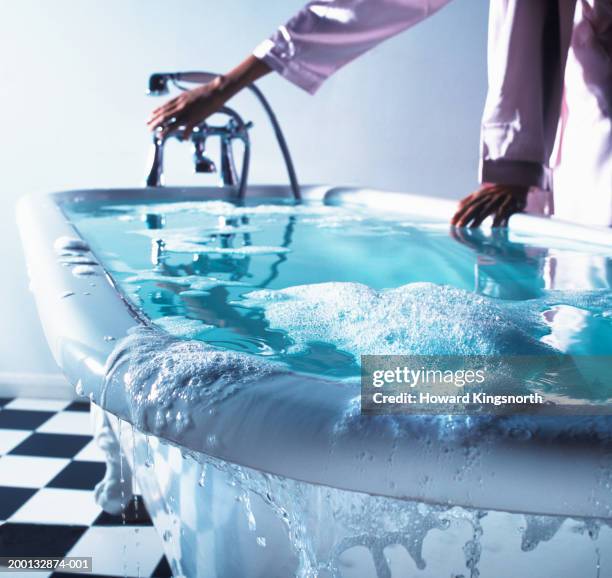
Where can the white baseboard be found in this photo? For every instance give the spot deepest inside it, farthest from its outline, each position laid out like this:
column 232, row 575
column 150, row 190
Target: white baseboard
column 38, row 385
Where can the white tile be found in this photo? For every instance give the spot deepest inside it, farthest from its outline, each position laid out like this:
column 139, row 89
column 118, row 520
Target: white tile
column 106, row 547
column 68, row 422
column 135, row 486
column 29, row 472
column 91, row 453
column 55, row 506
column 34, row 404
column 11, row 438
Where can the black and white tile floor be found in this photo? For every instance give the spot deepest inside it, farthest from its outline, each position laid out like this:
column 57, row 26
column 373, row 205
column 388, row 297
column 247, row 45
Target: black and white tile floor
column 49, row 465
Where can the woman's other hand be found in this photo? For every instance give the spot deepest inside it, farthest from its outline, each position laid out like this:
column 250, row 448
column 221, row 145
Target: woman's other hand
column 499, row 201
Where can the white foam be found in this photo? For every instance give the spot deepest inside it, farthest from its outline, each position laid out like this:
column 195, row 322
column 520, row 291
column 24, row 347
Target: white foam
column 193, row 282
column 197, row 234
column 415, row 319
column 181, row 326
column 183, row 246
column 225, row 209
column 151, row 275
column 193, row 293
column 166, row 378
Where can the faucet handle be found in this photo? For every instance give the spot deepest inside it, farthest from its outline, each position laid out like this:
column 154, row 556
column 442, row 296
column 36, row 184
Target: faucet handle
column 203, row 164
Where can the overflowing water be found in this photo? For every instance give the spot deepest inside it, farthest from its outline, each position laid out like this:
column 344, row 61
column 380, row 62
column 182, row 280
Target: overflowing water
column 332, row 533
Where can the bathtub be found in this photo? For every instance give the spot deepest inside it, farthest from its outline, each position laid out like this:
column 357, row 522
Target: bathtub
column 279, row 494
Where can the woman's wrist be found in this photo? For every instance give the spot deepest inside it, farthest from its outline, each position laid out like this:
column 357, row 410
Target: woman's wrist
column 247, row 72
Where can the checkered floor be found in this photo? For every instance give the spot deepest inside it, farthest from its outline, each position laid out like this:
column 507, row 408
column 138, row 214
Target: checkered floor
column 49, row 465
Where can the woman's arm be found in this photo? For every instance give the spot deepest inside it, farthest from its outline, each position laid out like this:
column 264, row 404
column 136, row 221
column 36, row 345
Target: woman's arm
column 321, row 38
column 528, row 46
column 326, row 35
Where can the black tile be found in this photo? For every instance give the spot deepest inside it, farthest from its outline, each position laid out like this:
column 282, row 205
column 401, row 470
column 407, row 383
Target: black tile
column 4, row 401
column 78, row 406
column 133, row 516
column 162, row 570
column 38, row 539
column 51, row 445
column 11, row 499
column 79, row 476
column 23, row 419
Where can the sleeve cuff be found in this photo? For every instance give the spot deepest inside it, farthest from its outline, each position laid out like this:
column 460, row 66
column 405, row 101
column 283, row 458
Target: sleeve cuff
column 281, row 62
column 511, row 172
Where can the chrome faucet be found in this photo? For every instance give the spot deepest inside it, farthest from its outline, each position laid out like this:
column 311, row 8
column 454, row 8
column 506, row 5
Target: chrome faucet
column 234, row 129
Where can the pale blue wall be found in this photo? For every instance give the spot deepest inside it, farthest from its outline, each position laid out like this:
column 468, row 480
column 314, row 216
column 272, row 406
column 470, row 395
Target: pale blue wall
column 72, row 109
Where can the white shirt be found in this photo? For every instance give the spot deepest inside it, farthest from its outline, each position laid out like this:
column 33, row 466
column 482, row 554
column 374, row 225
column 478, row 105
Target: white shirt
column 529, row 43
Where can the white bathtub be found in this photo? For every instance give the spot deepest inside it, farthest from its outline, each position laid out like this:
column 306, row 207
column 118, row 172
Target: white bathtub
column 352, row 506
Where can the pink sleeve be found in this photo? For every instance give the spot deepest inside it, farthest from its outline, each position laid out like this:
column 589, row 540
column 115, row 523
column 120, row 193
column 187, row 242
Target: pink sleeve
column 327, row 34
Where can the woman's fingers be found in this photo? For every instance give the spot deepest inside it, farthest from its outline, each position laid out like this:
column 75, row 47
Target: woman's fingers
column 170, row 127
column 191, row 104
column 515, row 202
column 471, row 211
column 172, row 108
column 173, row 104
column 504, row 212
column 463, row 206
column 501, row 201
column 467, row 206
column 188, row 110
column 458, row 216
column 489, row 209
column 466, row 202
column 163, row 116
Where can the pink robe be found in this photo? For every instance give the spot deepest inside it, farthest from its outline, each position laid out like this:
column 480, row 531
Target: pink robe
column 535, row 46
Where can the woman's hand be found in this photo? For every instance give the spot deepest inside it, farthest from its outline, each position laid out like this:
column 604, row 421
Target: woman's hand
column 501, row 201
column 189, row 108
column 193, row 107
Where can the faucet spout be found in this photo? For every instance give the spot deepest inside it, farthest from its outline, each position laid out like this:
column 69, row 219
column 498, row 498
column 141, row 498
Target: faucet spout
column 155, row 178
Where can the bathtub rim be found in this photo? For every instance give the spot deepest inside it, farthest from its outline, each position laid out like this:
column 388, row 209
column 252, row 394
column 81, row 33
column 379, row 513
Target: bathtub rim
column 77, row 343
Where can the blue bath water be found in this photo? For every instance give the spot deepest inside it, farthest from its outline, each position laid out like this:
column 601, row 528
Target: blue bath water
column 227, row 275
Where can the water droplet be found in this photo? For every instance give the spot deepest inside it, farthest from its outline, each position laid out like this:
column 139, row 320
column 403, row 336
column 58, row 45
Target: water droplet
column 63, row 244
column 148, row 455
column 202, row 480
column 80, row 390
column 84, row 271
